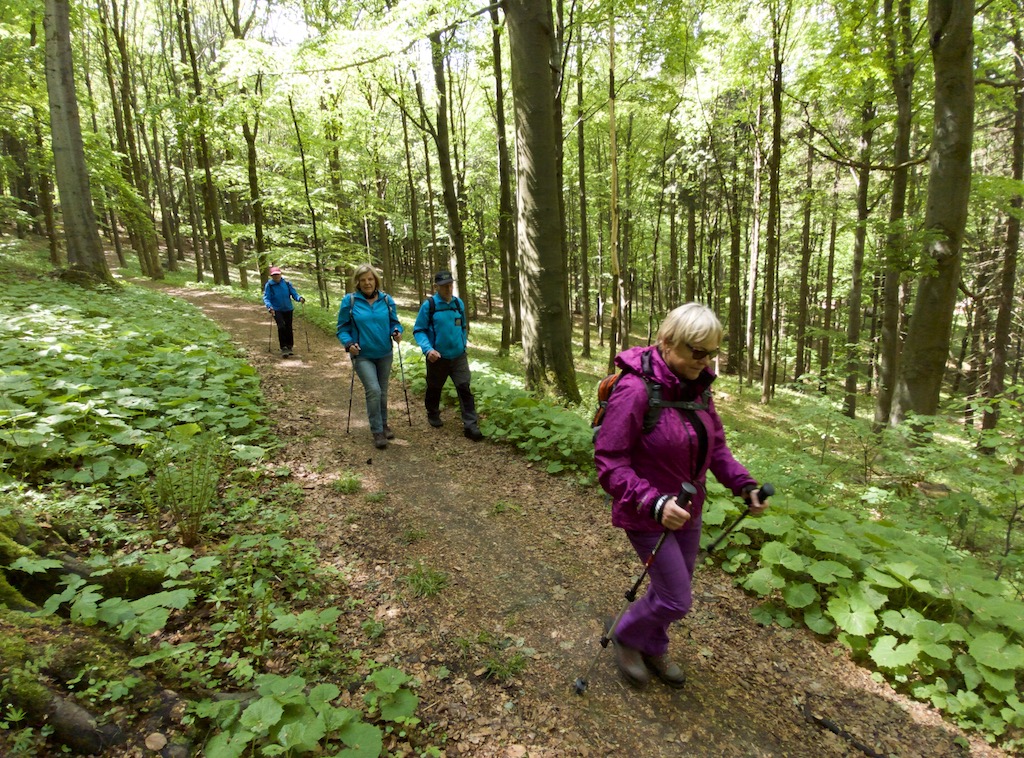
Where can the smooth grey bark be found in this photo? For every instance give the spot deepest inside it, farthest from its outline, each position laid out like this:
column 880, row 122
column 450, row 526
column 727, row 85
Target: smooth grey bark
column 951, row 27
column 547, row 346
column 85, row 250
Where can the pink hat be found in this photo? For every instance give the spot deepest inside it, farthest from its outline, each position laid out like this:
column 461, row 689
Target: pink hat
column 274, row 270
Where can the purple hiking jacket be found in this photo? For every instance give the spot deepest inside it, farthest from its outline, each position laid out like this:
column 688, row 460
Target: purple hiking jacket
column 636, row 468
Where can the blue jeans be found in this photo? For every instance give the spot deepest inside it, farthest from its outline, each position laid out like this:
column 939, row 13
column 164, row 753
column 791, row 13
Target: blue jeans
column 374, row 374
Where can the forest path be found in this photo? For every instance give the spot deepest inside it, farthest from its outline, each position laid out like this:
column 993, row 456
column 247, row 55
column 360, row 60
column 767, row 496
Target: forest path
column 533, row 566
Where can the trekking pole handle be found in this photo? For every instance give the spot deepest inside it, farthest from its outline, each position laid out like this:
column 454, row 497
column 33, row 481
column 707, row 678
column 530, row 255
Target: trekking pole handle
column 764, row 492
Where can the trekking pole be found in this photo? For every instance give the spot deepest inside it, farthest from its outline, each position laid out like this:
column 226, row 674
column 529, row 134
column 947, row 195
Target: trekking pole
column 270, row 334
column 685, row 493
column 351, row 389
column 401, row 365
column 765, row 491
column 305, row 331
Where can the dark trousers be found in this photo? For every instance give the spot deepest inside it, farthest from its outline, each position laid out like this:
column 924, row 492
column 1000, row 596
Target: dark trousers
column 437, row 374
column 283, row 319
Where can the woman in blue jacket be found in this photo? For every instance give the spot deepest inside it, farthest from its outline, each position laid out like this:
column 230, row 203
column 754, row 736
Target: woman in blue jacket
column 277, row 296
column 367, row 323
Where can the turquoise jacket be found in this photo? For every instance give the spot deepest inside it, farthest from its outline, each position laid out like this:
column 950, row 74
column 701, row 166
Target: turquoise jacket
column 278, row 296
column 442, row 327
column 369, row 325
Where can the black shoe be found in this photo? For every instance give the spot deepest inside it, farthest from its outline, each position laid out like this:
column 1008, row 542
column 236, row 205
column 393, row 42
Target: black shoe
column 388, row 433
column 631, row 664
column 434, row 419
column 380, row 441
column 473, row 433
column 666, row 670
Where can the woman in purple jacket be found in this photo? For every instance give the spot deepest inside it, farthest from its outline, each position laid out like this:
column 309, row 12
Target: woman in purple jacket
column 643, row 471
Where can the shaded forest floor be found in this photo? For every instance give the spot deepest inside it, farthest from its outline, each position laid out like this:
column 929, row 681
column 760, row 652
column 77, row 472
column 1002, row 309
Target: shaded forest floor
column 533, row 567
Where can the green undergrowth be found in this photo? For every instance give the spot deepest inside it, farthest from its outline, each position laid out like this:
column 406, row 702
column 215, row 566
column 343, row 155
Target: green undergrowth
column 135, row 443
column 90, row 377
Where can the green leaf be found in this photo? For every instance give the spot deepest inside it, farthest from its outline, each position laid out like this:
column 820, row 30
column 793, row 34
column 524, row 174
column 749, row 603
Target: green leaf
column 398, row 706
column 1004, row 681
column 35, row 564
column 889, row 653
column 799, row 595
column 388, row 679
column 165, row 651
column 835, row 546
column 764, row 581
column 228, row 744
column 364, row 741
column 818, row 622
column 829, row 572
column 322, row 695
column 261, row 716
column 301, row 735
column 994, row 651
column 776, row 553
column 857, row 618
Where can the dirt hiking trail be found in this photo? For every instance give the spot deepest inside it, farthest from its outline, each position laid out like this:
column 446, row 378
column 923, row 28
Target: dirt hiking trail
column 533, row 566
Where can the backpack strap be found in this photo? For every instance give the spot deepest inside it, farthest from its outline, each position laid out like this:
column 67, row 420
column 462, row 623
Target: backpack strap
column 655, row 403
column 352, row 315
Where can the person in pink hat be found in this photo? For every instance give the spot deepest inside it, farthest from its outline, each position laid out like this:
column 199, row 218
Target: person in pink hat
column 278, row 295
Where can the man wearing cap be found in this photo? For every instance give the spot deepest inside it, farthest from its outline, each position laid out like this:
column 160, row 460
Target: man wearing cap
column 442, row 332
column 277, row 296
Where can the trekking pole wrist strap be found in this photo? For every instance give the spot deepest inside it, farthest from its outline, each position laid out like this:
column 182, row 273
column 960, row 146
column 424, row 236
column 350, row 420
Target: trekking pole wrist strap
column 658, row 508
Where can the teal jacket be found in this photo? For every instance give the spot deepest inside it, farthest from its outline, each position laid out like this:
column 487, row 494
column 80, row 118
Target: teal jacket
column 442, row 327
column 278, row 296
column 369, row 325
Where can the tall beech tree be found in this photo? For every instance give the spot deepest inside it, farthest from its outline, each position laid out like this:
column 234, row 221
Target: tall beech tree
column 547, row 347
column 951, row 37
column 81, row 232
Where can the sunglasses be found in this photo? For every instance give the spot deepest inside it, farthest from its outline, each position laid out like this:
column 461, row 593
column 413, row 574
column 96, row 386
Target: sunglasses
column 699, row 354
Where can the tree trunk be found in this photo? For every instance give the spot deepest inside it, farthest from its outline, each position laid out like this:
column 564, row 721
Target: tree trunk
column 506, row 220
column 442, row 140
column 1011, row 249
column 779, row 25
column 950, row 24
column 855, row 303
column 805, row 265
column 581, row 167
column 211, row 206
column 85, row 250
column 901, row 69
column 546, row 324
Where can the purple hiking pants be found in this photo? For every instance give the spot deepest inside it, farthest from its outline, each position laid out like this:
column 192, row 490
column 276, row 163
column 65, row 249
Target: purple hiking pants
column 645, row 624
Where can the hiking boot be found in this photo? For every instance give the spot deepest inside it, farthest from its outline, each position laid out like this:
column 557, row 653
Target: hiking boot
column 473, row 433
column 285, row 353
column 380, row 440
column 388, row 433
column 666, row 670
column 631, row 664
column 434, row 419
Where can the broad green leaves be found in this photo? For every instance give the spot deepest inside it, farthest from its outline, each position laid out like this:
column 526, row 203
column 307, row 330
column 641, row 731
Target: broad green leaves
column 288, row 719
column 89, row 378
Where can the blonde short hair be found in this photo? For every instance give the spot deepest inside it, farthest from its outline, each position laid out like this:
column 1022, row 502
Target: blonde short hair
column 365, row 268
column 690, row 324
